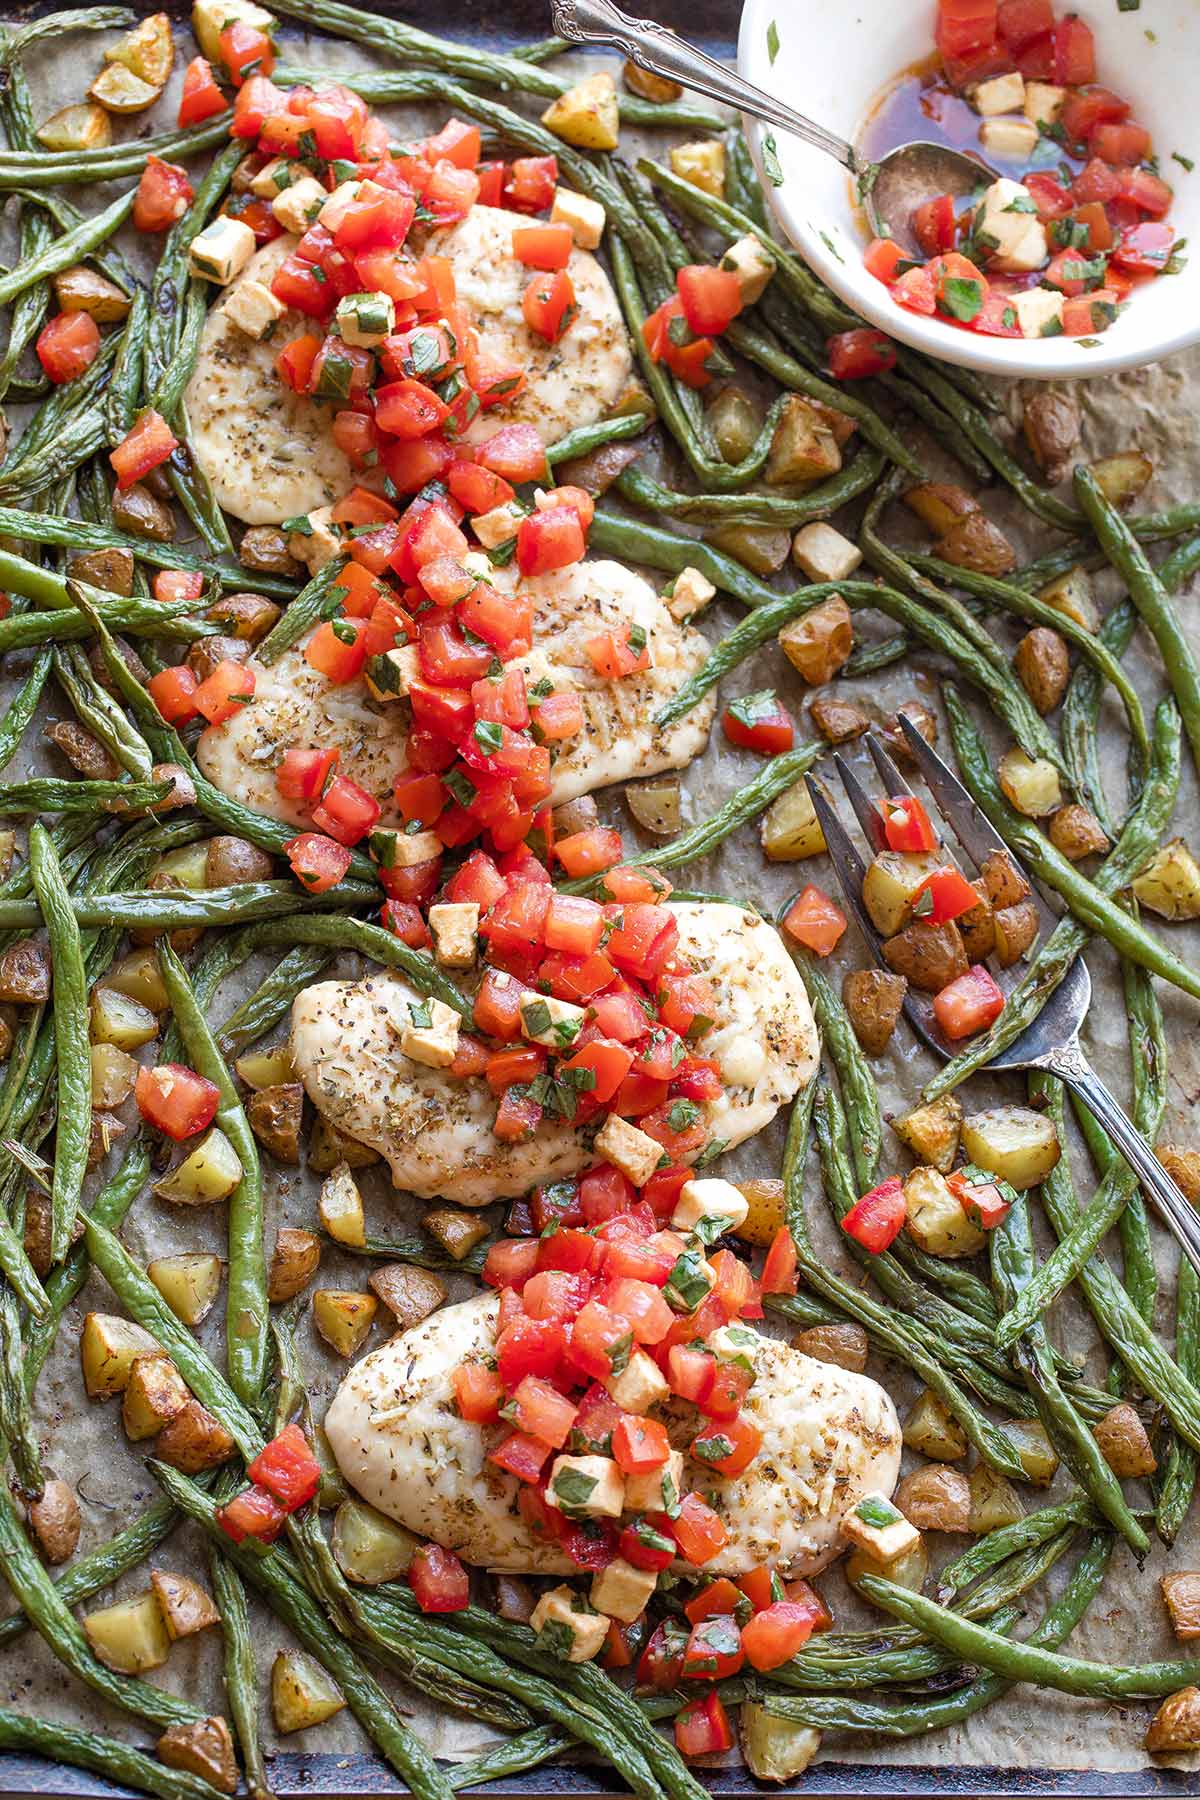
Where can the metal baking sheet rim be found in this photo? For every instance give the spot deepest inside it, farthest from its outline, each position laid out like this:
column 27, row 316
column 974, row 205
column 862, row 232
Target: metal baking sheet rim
column 712, row 24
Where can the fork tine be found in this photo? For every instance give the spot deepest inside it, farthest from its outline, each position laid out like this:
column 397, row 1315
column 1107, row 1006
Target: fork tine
column 840, row 845
column 865, row 809
column 889, row 774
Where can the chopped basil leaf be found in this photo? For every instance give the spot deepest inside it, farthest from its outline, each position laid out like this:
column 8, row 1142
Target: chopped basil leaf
column 710, row 1152
column 421, row 1016
column 463, row 789
column 751, row 709
column 877, row 1512
column 670, row 1495
column 302, row 525
column 681, row 1114
column 688, row 1283
column 572, row 1488
column 536, row 1018
column 620, row 1352
column 770, row 160
column 772, row 41
column 489, row 735
column 962, row 298
column 712, row 1447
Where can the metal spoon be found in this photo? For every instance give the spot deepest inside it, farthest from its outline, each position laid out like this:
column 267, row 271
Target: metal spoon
column 888, row 190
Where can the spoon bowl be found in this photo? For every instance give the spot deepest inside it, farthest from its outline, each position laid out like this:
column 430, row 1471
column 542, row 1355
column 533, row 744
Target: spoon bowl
column 892, row 188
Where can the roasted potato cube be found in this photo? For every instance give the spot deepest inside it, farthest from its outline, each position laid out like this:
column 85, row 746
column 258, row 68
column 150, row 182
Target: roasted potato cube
column 457, row 1232
column 873, row 999
column 113, row 1076
column 1076, row 832
column 1014, row 1142
column 189, row 1283
column 940, row 505
column 340, row 1208
column 1051, row 427
column 408, row 1292
column 118, row 1020
column 85, row 753
column 703, row 164
column 1003, row 882
column 294, row 1261
column 207, row 1174
column 803, row 448
column 119, row 90
column 54, row 1520
column 84, row 126
column 789, row 829
column 920, row 717
column 105, row 1131
column 25, row 973
column 994, row 1501
column 649, row 86
column 837, row 720
column 233, row 860
column 130, row 1637
column 775, row 1749
column 928, row 956
column 655, row 804
column 186, row 1607
column 343, row 1318
column 936, row 1498
column 978, row 927
column 1169, row 885
column 264, row 548
column 764, row 1196
column 1124, row 1444
column 762, row 548
column 587, row 115
column 931, row 1429
column 327, row 1147
column 1029, row 783
column 1176, row 1724
column 139, row 978
column 1043, row 666
column 1015, row 927
column 891, row 881
column 275, row 1115
column 148, row 50
column 204, row 1749
column 931, row 1132
column 369, row 1548
column 937, row 1219
column 1121, row 478
column 1181, row 1591
column 107, row 1348
column 248, row 617
column 85, row 290
column 136, row 510
column 111, row 570
column 193, row 1441
column 155, row 1393
column 1038, row 1455
column 975, row 543
column 302, row 1694
column 820, row 641
column 1183, row 1166
column 267, row 1068
column 735, row 419
column 846, row 1345
column 1071, row 595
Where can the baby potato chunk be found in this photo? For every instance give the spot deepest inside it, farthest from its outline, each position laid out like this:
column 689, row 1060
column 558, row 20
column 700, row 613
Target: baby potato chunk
column 457, row 1232
column 931, row 1430
column 1038, row 1456
column 343, row 1318
column 1076, row 832
column 107, row 1348
column 873, row 999
column 937, row 1220
column 703, row 164
column 764, row 1218
column 1183, row 1166
column 84, row 126
column 54, row 1520
column 302, row 1693
column 975, row 543
column 587, row 115
column 846, row 1345
column 1169, row 885
column 189, row 1283
column 932, row 1131
column 369, row 1548
column 193, row 1441
column 148, row 50
column 1014, row 1142
column 790, row 830
column 890, row 884
column 1029, row 783
column 928, row 956
column 340, row 1209
column 820, row 641
column 210, row 1173
column 1122, row 477
column 186, row 1607
column 130, row 1637
column 1015, row 928
column 204, row 1749
column 936, row 1498
column 294, row 1261
column 1181, row 1591
column 1124, row 1444
column 275, row 1115
column 154, row 1394
column 994, row 1501
column 408, row 1292
column 1176, row 1724
column 1043, row 666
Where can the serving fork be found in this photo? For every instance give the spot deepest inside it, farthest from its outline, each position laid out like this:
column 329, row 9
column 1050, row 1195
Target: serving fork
column 1051, row 1042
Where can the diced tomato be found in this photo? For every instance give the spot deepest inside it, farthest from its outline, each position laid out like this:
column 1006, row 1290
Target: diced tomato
column 515, row 452
column 1074, row 52
column 1088, row 109
column 1069, row 271
column 661, row 1664
column 408, row 409
column 698, row 1531
column 549, row 540
column 317, row 862
column 773, row 1636
column 545, row 247
column 620, row 1015
column 478, row 489
column 1096, row 181
column 1145, row 249
column 201, row 97
column 645, row 1547
column 718, row 1600
column 982, row 1200
column 504, row 1067
column 711, row 298
column 404, row 921
column 438, row 1580
column 950, row 895
column 223, row 693
column 1098, row 226
column 175, row 1100
column 906, row 824
column 1035, row 61
column 346, row 812
column 164, row 194
column 1121, row 144
column 855, row 355
column 491, row 182
column 478, row 1393
column 759, row 722
column 815, row 920
column 257, row 99
column 528, row 1347
column 246, row 51
column 730, row 1386
column 933, row 225
column 337, row 649
column 378, row 219
column 509, row 1263
column 477, row 880
column 600, row 1338
column 591, row 1544
column 969, row 1003
column 1020, row 21
column 252, row 1514
column 964, row 25
column 640, row 1302
column 714, row 1650
column 172, row 585
column 1052, row 199
column 589, row 852
column 147, row 444
column 416, row 884
column 457, row 142
column 728, row 1445
column 1148, row 192
column 882, row 258
column 640, row 1445
column 287, row 1468
column 497, row 1008
column 877, row 1219
column 522, row 1455
column 690, row 1371
column 294, row 363
column 549, row 305
column 915, row 291
column 997, row 317
column 531, row 183
column 173, row 692
column 615, row 654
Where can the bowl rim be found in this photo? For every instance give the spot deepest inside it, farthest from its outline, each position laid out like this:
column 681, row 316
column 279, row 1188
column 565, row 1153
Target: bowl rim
column 993, row 356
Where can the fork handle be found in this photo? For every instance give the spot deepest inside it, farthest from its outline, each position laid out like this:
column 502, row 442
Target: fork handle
column 653, row 47
column 1163, row 1193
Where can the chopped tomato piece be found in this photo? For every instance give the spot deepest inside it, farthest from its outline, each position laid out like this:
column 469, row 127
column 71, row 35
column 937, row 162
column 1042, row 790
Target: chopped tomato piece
column 933, row 225
column 522, row 1455
column 173, row 692
column 773, row 1636
column 615, row 654
column 728, row 1445
column 969, row 1003
column 549, row 304
column 246, row 51
column 698, row 1531
column 1074, row 52
column 906, row 824
column 294, row 363
column 714, row 1650
column 171, row 585
column 287, row 1469
column 1122, row 144
column 164, row 195
column 759, row 722
column 1145, row 249
column 882, row 259
column 877, row 1219
column 1086, row 111
column 661, row 1663
column 404, row 921
column 337, row 649
column 983, row 1201
column 478, row 1393
column 1146, row 191
column 1020, row 21
column 589, row 852
column 252, row 1514
column 545, row 247
column 317, row 862
column 147, row 444
column 346, row 811
column 408, row 409
column 224, row 692
column 1052, row 199
column 640, row 1445
column 303, row 774
column 964, row 25
column 438, row 1580
column 711, row 298
column 950, row 895
column 915, row 292
column 549, row 540
column 509, row 1263
column 531, row 183
column 515, row 452
column 815, row 920
column 855, row 355
column 175, row 1100
column 201, row 97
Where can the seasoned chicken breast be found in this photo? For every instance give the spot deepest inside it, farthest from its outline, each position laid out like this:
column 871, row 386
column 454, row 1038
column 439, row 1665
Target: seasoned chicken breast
column 294, row 706
column 435, row 1130
column 829, row 1437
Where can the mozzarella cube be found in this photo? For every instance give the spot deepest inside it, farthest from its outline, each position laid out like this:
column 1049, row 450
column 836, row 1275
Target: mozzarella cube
column 689, row 593
column 253, row 308
column 752, row 263
column 555, row 1023
column 498, row 526
column 824, row 554
column 1039, row 312
column 454, row 924
column 413, row 847
column 1043, row 102
column 586, row 1487
column 879, row 1528
column 658, row 1490
column 337, row 204
column 560, row 1615
column 587, row 218
column 221, row 250
column 709, row 1199
column 297, row 206
column 279, row 173
column 736, row 1344
column 1015, row 140
column 366, row 319
column 475, row 562
column 640, row 1385
column 431, row 1035
column 319, row 543
column 634, row 1152
column 621, row 1591
column 1006, row 222
column 1002, row 94
column 391, row 675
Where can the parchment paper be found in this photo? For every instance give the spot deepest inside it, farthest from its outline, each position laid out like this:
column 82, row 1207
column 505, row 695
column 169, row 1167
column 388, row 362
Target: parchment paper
column 1152, row 409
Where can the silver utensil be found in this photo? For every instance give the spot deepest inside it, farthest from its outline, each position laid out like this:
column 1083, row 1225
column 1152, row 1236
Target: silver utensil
column 1052, row 1041
column 888, row 189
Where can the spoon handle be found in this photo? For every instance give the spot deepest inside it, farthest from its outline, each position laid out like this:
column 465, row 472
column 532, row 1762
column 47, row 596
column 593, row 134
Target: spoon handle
column 655, row 48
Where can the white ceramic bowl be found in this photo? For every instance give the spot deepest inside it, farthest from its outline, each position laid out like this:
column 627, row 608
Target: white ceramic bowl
column 833, row 61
